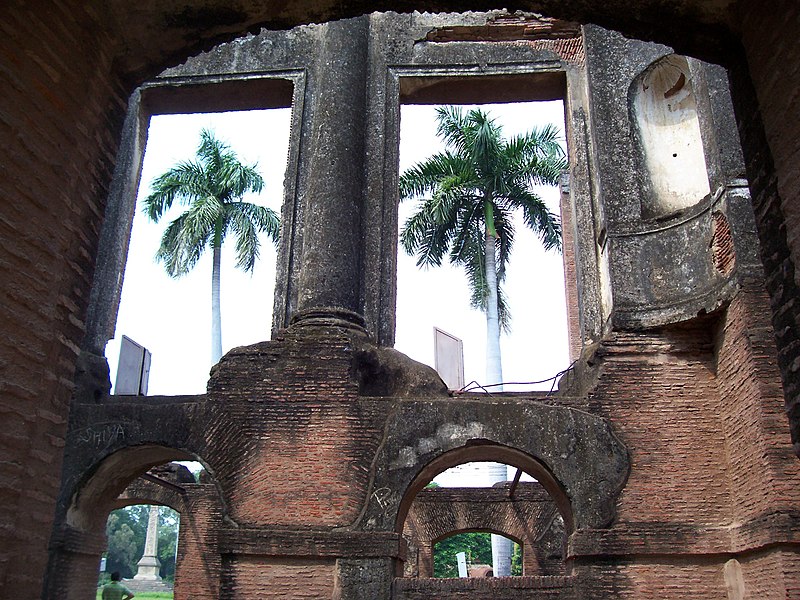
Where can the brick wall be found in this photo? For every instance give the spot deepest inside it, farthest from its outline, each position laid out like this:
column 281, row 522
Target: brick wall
column 269, row 577
column 487, row 588
column 761, row 464
column 198, row 566
column 59, row 112
column 286, row 427
column 661, row 390
column 766, row 100
column 528, row 518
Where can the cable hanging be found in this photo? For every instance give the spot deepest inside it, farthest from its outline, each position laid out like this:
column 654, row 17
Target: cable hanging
column 474, row 385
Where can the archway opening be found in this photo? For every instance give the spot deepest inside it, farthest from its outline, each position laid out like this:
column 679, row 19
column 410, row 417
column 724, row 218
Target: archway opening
column 514, row 527
column 142, row 547
column 106, row 519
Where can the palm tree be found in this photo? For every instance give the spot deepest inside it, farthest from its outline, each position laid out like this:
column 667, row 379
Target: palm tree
column 212, row 187
column 468, row 195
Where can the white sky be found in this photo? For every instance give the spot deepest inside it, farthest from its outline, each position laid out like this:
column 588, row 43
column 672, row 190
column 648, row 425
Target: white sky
column 172, row 317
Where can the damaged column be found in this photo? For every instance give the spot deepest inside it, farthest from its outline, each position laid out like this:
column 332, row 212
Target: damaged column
column 329, row 278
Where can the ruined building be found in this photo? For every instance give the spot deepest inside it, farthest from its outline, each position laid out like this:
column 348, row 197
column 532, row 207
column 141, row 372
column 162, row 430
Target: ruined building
column 666, row 453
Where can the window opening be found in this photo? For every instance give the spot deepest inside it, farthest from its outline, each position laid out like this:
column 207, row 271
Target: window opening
column 465, row 509
column 536, row 344
column 171, row 317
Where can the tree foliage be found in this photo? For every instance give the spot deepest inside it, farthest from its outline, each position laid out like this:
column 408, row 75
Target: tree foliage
column 478, row 547
column 516, row 560
column 212, row 188
column 126, row 530
column 471, row 191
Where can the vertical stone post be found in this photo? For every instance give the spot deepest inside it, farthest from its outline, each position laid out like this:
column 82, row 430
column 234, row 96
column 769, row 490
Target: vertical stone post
column 149, row 565
column 425, row 559
column 363, row 579
column 329, row 279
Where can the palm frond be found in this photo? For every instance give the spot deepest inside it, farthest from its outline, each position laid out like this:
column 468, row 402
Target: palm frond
column 179, row 250
column 425, row 236
column 246, row 234
column 246, row 221
column 425, row 177
column 504, row 225
column 545, row 224
column 453, row 128
column 236, row 179
column 184, row 182
column 264, row 219
column 536, row 157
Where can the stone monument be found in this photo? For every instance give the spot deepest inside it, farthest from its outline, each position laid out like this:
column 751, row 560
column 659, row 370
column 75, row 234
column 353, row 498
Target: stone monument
column 149, row 565
column 148, row 576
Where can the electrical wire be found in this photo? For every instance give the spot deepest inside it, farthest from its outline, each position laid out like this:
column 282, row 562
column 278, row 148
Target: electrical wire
column 474, row 385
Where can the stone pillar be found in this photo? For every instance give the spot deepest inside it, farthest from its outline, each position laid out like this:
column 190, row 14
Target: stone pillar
column 363, row 579
column 149, row 565
column 330, row 272
column 425, row 559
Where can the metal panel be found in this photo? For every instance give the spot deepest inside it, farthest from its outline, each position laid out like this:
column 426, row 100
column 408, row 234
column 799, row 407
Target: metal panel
column 133, row 369
column 449, row 357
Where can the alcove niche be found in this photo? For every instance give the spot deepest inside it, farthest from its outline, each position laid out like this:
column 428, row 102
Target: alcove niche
column 663, row 110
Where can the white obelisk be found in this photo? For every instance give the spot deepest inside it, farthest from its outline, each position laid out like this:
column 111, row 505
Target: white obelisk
column 149, row 565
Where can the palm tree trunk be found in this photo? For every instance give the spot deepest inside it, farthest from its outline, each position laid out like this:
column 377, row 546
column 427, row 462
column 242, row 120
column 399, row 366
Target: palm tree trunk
column 494, row 365
column 501, row 546
column 216, row 316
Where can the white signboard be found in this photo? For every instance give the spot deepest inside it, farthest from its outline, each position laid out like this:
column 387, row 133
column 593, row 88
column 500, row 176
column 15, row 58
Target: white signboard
column 133, row 369
column 449, row 357
column 461, row 558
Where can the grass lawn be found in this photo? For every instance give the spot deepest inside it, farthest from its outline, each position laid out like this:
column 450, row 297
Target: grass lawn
column 145, row 595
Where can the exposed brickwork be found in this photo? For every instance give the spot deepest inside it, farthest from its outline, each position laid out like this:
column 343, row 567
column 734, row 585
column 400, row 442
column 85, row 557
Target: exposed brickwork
column 561, row 38
column 698, row 407
column 765, row 97
column 290, row 412
column 59, row 114
column 723, row 254
column 508, row 28
column 662, row 386
column 752, row 410
column 530, row 517
column 487, row 588
column 263, row 577
column 198, row 563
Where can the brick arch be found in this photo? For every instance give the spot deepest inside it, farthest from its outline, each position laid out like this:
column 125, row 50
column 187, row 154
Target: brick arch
column 110, row 482
column 468, row 529
column 198, row 565
column 490, row 453
column 529, row 517
column 583, row 469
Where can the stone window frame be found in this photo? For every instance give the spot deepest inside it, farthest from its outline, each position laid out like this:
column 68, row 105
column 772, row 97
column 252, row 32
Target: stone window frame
column 587, row 216
column 189, row 95
column 178, row 94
